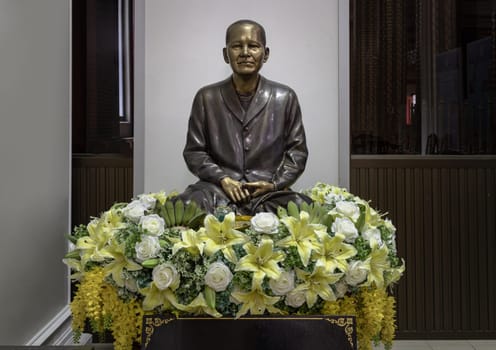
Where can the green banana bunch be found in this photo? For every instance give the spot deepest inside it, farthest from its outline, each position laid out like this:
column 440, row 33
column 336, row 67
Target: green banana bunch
column 178, row 214
column 317, row 214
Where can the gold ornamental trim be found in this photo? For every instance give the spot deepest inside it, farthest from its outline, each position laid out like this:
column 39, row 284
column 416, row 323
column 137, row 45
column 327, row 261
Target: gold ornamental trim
column 151, row 324
column 347, row 323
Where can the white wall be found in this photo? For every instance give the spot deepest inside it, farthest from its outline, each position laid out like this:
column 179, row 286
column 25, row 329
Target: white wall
column 34, row 164
column 183, row 51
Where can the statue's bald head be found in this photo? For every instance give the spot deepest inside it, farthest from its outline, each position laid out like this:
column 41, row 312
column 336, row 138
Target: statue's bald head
column 246, row 22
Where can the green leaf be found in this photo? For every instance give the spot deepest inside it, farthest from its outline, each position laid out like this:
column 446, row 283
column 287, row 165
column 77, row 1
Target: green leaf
column 293, row 210
column 281, row 212
column 210, row 297
column 73, row 255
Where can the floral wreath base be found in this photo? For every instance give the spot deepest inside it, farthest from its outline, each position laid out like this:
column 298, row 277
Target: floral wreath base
column 336, row 256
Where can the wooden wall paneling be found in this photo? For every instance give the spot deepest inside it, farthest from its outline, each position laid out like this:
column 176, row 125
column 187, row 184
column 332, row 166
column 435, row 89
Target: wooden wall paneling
column 400, row 224
column 444, row 210
column 437, row 246
column 446, row 250
column 455, row 252
column 491, row 246
column 463, row 217
column 473, row 236
column 410, row 241
column 425, row 192
column 97, row 183
column 481, row 202
column 418, row 235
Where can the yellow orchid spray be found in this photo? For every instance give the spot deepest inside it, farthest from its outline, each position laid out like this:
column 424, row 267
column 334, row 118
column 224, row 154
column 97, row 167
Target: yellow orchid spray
column 302, row 235
column 222, row 236
column 262, row 261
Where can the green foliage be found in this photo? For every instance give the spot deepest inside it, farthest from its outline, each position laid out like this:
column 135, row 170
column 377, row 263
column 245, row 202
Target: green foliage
column 78, row 232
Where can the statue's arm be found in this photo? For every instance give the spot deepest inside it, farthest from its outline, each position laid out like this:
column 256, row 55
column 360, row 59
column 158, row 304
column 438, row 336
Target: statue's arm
column 295, row 156
column 195, row 153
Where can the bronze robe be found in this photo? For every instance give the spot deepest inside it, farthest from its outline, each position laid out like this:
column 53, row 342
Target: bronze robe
column 265, row 142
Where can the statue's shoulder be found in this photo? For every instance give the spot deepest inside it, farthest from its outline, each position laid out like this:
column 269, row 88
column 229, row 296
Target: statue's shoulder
column 278, row 88
column 215, row 87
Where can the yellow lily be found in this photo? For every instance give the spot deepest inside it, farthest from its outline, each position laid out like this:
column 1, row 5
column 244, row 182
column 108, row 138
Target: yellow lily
column 255, row 301
column 378, row 260
column 393, row 275
column 75, row 264
column 161, row 197
column 119, row 263
column 222, row 236
column 303, row 235
column 261, row 260
column 332, row 253
column 94, row 246
column 155, row 297
column 199, row 306
column 317, row 283
column 112, row 219
column 190, row 240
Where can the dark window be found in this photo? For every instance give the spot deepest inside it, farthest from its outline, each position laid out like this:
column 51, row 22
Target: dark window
column 423, row 77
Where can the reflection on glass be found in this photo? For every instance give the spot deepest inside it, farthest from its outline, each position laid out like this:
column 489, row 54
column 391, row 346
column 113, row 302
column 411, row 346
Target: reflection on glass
column 423, row 76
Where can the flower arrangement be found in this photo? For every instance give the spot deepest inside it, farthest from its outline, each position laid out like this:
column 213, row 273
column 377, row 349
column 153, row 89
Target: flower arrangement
column 154, row 254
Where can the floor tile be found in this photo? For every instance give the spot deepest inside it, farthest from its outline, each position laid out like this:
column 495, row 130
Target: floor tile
column 483, row 344
column 450, row 345
column 407, row 345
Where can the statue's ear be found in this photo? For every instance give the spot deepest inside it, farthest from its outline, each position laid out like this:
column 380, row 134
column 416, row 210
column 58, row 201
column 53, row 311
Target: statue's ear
column 224, row 53
column 267, row 53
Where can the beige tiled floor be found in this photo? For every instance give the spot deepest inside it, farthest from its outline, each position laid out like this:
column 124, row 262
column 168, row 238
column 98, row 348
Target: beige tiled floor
column 443, row 345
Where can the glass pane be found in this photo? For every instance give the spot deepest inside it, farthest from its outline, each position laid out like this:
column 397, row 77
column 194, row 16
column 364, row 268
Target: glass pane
column 423, row 76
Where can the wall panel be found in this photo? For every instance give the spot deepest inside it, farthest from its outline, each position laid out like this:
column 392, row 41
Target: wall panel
column 97, row 183
column 444, row 209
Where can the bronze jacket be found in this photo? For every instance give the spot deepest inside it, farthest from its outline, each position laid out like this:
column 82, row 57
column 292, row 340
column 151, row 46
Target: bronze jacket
column 267, row 142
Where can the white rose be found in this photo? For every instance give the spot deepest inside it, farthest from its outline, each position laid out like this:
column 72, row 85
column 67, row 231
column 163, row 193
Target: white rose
column 165, row 276
column 341, row 289
column 152, row 224
column 218, row 276
column 265, row 223
column 357, row 273
column 295, row 299
column 346, row 227
column 147, row 200
column 134, row 210
column 372, row 232
column 348, row 209
column 148, row 248
column 284, row 284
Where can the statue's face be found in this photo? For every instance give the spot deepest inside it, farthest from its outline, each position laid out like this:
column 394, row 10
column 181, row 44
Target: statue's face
column 245, row 51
